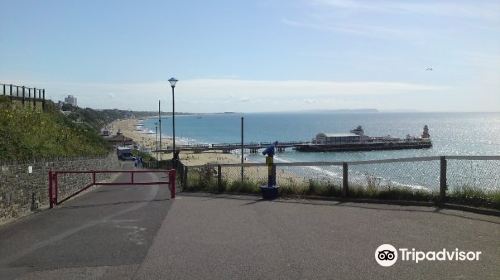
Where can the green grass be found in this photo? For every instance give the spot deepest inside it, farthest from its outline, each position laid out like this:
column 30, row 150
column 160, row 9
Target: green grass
column 206, row 181
column 475, row 196
column 28, row 134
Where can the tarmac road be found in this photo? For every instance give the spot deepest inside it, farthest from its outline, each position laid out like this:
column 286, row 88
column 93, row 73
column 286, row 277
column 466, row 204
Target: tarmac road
column 103, row 234
column 240, row 237
column 128, row 232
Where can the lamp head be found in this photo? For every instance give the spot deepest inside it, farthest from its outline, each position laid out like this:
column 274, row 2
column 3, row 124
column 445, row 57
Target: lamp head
column 172, row 81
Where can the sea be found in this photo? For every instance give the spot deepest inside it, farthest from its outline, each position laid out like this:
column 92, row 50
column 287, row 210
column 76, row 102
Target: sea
column 451, row 133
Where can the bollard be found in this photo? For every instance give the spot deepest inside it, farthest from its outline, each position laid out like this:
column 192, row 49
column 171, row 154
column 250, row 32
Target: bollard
column 171, row 180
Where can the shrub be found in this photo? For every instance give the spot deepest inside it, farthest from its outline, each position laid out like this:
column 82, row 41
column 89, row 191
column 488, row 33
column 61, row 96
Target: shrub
column 27, row 134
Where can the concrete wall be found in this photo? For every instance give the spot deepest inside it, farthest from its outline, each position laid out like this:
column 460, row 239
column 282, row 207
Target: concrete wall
column 22, row 193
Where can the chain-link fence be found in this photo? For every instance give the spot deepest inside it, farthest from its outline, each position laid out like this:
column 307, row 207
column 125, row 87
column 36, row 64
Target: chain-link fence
column 423, row 178
column 473, row 179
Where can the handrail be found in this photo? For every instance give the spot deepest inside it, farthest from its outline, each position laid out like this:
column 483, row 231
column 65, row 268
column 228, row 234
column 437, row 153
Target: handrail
column 339, row 163
column 474, row 157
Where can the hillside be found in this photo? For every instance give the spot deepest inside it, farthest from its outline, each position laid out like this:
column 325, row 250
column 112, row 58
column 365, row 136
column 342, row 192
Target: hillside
column 27, row 134
column 97, row 119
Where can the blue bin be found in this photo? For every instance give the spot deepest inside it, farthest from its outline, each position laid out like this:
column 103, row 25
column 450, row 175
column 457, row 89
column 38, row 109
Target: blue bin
column 269, row 192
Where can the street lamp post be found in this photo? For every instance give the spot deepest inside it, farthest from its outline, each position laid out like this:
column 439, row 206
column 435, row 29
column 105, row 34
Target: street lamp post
column 159, row 122
column 173, row 81
column 156, row 145
column 156, row 138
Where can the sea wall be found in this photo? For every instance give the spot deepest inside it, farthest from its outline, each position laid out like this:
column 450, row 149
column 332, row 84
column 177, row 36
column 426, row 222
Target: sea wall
column 22, row 192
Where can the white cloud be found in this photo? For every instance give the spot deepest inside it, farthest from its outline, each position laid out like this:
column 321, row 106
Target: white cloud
column 205, row 95
column 486, row 10
column 357, row 29
column 372, row 18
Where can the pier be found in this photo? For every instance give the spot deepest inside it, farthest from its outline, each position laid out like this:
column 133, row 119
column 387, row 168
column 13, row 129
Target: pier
column 303, row 146
column 356, row 140
column 228, row 147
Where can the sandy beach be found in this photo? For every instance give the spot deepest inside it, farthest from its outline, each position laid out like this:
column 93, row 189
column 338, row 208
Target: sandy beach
column 128, row 128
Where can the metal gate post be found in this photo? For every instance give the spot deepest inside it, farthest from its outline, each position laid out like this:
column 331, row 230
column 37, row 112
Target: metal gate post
column 185, row 176
column 56, row 187
column 219, row 178
column 345, row 180
column 442, row 180
column 51, row 195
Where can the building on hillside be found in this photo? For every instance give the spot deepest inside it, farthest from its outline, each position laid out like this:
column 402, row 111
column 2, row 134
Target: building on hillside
column 119, row 140
column 105, row 132
column 70, row 99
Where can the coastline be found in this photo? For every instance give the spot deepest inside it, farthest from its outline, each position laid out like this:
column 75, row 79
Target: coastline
column 128, row 128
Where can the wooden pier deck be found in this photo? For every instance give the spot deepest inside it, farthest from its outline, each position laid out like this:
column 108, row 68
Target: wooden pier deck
column 228, row 147
column 305, row 146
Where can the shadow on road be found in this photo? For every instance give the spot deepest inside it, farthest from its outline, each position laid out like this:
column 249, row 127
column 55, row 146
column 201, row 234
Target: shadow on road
column 110, row 204
column 352, row 204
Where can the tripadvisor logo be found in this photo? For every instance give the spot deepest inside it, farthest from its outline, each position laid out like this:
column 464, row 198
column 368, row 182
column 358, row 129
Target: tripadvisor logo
column 387, row 255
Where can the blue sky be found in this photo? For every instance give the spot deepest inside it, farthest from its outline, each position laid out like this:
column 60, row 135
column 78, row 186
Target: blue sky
column 262, row 55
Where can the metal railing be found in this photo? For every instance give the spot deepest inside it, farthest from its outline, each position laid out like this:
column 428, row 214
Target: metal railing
column 436, row 176
column 26, row 95
column 55, row 193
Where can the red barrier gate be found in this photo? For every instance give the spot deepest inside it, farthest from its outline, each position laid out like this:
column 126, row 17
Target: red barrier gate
column 54, row 191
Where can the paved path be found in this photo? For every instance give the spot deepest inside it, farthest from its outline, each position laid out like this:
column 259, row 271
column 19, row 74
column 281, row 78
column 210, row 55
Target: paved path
column 104, row 234
column 138, row 233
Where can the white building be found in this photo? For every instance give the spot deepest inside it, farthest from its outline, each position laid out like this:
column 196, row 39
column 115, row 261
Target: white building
column 70, row 99
column 336, row 138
